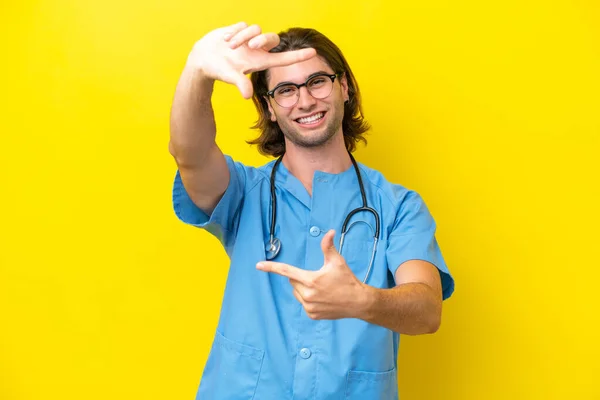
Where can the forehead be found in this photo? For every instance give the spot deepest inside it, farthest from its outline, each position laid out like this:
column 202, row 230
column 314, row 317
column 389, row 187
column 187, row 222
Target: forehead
column 297, row 72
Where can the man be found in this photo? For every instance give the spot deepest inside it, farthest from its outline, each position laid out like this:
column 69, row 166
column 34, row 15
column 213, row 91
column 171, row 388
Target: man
column 303, row 317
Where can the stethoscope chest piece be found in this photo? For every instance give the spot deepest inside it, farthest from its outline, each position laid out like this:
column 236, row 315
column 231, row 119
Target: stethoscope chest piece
column 272, row 248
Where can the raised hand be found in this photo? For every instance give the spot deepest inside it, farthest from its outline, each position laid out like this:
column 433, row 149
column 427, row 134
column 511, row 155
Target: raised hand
column 228, row 54
column 330, row 293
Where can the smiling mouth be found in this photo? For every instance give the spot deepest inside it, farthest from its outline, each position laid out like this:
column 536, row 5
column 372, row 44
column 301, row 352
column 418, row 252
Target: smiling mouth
column 313, row 119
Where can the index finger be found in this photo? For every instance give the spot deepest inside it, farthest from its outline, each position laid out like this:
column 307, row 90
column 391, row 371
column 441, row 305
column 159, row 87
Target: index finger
column 287, row 58
column 284, row 270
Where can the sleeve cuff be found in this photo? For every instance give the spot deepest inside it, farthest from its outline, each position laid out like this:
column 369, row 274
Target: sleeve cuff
column 222, row 217
column 419, row 246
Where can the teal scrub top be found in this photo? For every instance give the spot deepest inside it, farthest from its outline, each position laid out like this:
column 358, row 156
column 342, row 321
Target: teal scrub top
column 265, row 346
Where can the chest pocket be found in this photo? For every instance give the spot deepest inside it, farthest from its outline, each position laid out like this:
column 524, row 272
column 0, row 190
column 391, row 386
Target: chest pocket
column 357, row 251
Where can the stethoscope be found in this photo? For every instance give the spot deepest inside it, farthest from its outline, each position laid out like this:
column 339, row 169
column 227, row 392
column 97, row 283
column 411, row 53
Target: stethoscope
column 273, row 246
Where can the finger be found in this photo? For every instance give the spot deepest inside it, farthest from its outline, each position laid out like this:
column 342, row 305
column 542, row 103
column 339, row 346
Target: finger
column 284, row 270
column 230, row 31
column 298, row 296
column 244, row 85
column 244, row 35
column 286, row 58
column 327, row 245
column 266, row 41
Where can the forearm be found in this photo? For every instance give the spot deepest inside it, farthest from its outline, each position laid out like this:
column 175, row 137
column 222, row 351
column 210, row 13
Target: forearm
column 192, row 123
column 411, row 308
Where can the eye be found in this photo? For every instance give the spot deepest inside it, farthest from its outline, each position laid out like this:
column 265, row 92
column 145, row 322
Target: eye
column 286, row 90
column 316, row 82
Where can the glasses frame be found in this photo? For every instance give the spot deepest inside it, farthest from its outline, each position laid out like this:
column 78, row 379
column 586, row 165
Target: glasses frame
column 271, row 93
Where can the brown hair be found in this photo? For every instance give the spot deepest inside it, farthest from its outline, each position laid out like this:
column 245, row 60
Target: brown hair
column 271, row 140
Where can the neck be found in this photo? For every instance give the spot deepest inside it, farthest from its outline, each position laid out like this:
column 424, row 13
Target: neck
column 302, row 162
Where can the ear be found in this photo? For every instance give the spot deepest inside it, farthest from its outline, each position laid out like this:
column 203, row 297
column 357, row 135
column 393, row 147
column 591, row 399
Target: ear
column 344, row 85
column 271, row 111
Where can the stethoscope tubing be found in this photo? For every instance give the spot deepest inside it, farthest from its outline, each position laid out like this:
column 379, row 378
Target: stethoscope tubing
column 274, row 244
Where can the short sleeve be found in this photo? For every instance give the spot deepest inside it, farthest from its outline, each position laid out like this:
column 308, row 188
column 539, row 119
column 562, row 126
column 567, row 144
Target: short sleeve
column 413, row 238
column 222, row 223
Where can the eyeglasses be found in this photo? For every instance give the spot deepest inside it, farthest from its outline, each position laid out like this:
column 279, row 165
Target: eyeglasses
column 287, row 94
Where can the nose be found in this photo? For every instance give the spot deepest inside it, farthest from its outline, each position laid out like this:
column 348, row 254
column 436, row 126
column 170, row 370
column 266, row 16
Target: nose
column 305, row 99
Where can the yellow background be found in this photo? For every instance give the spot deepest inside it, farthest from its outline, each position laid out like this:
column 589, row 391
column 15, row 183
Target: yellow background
column 490, row 110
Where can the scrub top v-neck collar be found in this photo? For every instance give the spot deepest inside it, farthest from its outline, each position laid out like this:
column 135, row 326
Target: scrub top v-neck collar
column 286, row 180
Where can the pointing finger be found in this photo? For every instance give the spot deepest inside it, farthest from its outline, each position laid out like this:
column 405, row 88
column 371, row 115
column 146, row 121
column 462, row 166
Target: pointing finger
column 284, row 270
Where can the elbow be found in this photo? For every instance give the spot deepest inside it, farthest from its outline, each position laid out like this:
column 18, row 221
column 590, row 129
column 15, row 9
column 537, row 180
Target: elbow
column 427, row 326
column 433, row 316
column 428, row 323
column 433, row 319
column 175, row 150
column 172, row 149
column 433, row 324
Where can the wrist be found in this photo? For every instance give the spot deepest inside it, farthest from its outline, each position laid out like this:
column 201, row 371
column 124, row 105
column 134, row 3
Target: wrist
column 197, row 75
column 366, row 301
column 197, row 81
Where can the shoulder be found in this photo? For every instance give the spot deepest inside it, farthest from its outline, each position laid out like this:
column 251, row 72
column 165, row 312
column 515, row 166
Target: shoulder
column 247, row 173
column 396, row 195
column 404, row 209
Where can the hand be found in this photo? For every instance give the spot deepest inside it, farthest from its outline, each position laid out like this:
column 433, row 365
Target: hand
column 330, row 293
column 228, row 54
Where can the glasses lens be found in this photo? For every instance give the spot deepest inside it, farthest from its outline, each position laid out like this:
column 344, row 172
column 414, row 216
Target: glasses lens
column 320, row 86
column 286, row 96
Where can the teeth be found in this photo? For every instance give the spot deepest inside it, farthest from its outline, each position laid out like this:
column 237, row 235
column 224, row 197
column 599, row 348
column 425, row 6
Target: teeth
column 310, row 119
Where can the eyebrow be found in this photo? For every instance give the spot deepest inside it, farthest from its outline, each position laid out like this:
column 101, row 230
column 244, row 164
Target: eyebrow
column 310, row 76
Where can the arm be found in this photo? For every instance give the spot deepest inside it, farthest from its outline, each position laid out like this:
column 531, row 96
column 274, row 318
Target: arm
column 225, row 54
column 201, row 163
column 413, row 307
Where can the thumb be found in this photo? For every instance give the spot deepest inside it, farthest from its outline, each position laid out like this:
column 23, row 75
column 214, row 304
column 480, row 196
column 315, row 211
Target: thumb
column 244, row 85
column 327, row 245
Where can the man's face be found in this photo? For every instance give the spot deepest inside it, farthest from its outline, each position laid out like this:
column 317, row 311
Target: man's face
column 310, row 122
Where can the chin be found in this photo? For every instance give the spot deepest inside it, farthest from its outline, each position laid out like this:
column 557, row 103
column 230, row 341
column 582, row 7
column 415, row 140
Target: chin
column 312, row 139
column 314, row 135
